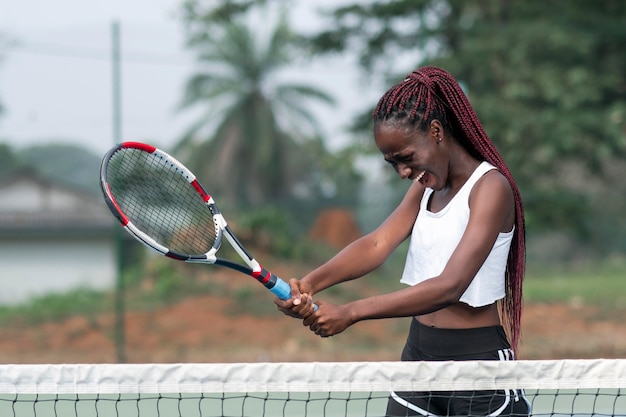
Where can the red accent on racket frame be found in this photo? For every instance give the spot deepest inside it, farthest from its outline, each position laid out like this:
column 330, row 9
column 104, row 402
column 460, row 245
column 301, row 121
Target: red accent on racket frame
column 200, row 190
column 259, row 274
column 138, row 145
column 122, row 217
column 174, row 255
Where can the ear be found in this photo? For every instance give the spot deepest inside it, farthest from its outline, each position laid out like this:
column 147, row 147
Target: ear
column 435, row 130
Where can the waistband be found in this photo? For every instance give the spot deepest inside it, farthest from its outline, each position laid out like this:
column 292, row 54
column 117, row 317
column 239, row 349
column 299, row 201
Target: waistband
column 456, row 343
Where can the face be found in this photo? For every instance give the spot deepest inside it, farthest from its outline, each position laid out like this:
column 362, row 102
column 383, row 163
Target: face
column 414, row 154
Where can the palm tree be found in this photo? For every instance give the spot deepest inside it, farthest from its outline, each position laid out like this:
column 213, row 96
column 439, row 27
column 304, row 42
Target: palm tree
column 243, row 145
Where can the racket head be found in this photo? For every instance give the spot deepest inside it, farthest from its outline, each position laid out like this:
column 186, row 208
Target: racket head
column 160, row 202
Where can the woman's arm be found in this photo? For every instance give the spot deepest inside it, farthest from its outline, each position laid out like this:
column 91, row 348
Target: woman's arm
column 491, row 212
column 361, row 256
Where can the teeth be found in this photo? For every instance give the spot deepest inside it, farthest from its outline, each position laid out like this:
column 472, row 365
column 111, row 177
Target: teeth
column 419, row 177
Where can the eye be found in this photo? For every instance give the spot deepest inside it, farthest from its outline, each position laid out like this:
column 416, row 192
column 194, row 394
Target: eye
column 399, row 159
column 403, row 159
column 392, row 163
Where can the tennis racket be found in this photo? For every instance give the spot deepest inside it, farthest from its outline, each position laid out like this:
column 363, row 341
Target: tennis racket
column 161, row 203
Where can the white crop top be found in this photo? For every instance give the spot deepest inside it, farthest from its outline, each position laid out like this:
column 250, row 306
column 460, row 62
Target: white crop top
column 435, row 236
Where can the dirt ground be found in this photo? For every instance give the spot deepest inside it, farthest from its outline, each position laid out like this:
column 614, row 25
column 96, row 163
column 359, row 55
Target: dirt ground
column 204, row 329
column 207, row 328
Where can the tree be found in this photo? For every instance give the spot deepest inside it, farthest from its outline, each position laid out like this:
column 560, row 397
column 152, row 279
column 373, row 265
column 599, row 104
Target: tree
column 546, row 78
column 248, row 146
column 71, row 164
column 8, row 159
column 3, row 42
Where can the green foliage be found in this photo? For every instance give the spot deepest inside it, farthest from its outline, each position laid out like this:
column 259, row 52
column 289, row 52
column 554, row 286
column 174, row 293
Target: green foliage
column 270, row 229
column 545, row 78
column 8, row 159
column 71, row 164
column 259, row 145
column 217, row 10
column 164, row 282
column 558, row 209
column 54, row 307
column 167, row 283
column 272, row 232
column 205, row 12
column 250, row 147
column 247, row 300
column 157, row 280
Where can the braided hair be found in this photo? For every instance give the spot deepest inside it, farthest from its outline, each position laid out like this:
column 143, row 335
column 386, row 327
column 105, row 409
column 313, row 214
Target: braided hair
column 431, row 93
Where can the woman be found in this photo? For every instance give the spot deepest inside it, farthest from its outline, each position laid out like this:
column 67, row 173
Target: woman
column 465, row 219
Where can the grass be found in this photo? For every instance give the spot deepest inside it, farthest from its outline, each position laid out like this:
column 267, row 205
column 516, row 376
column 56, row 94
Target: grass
column 600, row 284
column 53, row 307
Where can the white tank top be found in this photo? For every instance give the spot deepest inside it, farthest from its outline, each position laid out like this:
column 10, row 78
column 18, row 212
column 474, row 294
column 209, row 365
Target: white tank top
column 435, row 236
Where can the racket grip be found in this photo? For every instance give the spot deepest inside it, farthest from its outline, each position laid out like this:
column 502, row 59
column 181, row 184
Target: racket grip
column 283, row 291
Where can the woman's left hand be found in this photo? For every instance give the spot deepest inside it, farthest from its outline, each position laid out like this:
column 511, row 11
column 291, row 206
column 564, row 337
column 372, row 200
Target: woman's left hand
column 328, row 320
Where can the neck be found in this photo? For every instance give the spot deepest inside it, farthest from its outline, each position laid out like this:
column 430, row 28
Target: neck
column 462, row 165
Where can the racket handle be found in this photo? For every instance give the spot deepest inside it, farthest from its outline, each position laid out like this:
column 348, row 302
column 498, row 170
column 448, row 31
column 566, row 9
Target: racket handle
column 283, row 291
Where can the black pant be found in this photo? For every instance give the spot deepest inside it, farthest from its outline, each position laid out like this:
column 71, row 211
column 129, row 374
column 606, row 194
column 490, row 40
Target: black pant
column 431, row 344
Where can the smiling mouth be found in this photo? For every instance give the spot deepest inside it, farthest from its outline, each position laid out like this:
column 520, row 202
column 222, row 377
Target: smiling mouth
column 419, row 177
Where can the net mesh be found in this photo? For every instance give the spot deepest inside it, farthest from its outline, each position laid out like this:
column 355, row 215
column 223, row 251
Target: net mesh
column 552, row 388
column 160, row 201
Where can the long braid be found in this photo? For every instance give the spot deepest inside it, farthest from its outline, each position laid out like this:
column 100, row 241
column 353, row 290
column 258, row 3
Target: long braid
column 431, row 93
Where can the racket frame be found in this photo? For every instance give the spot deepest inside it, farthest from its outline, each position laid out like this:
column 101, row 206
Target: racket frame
column 252, row 267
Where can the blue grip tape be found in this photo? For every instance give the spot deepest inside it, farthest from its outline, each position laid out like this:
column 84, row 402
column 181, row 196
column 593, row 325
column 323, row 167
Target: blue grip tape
column 283, row 291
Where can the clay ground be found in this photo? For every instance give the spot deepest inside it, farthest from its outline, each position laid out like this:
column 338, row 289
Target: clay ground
column 208, row 329
column 213, row 328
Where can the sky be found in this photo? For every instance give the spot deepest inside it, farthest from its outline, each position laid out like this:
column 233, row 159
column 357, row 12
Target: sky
column 56, row 73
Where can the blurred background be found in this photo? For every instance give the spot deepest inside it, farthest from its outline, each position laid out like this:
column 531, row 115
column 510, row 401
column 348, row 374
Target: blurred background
column 268, row 102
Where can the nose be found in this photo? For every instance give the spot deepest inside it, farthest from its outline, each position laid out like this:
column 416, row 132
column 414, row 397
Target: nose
column 404, row 171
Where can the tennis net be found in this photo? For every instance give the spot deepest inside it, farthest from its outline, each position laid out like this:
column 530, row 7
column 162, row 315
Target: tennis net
column 555, row 388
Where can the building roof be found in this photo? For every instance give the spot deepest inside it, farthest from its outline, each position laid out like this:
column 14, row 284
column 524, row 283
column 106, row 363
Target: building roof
column 31, row 204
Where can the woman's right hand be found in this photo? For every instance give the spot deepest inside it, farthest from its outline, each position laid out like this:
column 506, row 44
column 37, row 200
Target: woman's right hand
column 300, row 305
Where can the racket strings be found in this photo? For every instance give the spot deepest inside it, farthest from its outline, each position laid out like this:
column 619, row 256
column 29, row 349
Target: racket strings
column 160, row 201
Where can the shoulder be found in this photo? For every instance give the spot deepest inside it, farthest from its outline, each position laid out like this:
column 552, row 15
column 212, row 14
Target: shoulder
column 492, row 198
column 400, row 221
column 409, row 206
column 492, row 182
